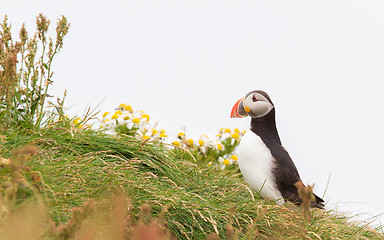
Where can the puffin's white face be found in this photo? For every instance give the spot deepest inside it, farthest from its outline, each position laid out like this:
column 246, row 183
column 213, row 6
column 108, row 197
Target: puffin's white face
column 255, row 104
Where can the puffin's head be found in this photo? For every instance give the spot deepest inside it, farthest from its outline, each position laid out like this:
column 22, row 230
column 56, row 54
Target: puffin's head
column 255, row 104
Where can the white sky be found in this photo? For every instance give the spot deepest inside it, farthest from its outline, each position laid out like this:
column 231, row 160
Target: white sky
column 187, row 63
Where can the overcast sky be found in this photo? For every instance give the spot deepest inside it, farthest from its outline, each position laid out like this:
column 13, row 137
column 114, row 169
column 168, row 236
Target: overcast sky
column 187, row 63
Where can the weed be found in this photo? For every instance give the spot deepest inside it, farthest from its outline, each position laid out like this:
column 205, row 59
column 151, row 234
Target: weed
column 26, row 74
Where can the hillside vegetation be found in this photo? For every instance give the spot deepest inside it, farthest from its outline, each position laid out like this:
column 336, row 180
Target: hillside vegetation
column 63, row 179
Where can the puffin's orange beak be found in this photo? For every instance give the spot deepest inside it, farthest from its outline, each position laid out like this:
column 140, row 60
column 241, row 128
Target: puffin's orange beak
column 238, row 110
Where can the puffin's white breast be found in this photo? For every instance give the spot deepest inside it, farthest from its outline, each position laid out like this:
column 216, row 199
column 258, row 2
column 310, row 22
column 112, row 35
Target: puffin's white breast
column 256, row 164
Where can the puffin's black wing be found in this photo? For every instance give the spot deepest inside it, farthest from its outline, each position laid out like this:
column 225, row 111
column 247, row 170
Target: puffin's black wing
column 285, row 172
column 287, row 175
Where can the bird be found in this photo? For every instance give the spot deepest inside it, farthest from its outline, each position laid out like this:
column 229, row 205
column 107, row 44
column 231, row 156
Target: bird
column 263, row 161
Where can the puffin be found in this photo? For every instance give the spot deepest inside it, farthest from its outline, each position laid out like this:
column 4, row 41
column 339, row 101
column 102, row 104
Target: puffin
column 264, row 162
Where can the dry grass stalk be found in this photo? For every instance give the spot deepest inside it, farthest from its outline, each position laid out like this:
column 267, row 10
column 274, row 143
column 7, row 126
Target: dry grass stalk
column 307, row 197
column 79, row 214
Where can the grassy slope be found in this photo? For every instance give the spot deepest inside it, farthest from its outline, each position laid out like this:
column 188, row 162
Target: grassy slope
column 78, row 165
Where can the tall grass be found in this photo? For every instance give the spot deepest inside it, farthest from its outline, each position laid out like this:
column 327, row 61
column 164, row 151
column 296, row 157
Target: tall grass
column 26, row 74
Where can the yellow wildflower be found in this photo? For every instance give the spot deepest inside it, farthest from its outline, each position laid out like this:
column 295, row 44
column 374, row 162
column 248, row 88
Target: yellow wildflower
column 128, row 108
column 115, row 116
column 235, row 135
column 201, row 142
column 226, row 162
column 190, row 142
column 118, row 112
column 176, row 143
column 136, row 120
column 145, row 116
column 145, row 137
column 234, row 157
column 105, row 114
column 162, row 133
column 76, row 121
column 220, row 146
column 227, row 130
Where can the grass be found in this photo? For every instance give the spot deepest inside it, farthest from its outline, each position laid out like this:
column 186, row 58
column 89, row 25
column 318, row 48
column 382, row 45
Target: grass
column 187, row 199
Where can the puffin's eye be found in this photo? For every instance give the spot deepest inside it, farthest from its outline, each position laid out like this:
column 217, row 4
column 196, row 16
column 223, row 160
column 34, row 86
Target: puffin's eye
column 254, row 98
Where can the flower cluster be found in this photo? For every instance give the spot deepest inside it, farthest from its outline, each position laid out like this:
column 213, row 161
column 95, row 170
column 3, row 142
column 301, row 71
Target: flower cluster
column 211, row 149
column 126, row 120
